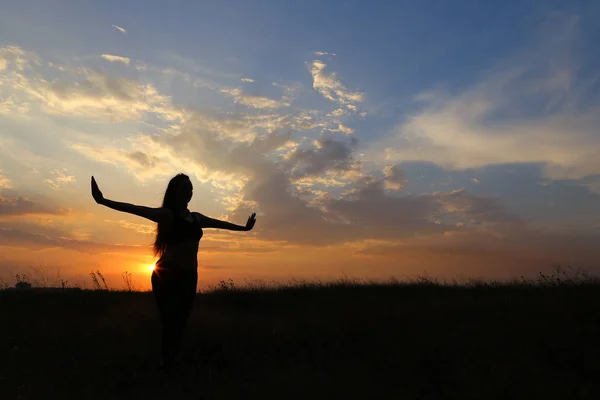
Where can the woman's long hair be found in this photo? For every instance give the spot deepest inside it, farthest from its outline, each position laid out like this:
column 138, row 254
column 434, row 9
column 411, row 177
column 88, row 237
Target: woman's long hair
column 171, row 202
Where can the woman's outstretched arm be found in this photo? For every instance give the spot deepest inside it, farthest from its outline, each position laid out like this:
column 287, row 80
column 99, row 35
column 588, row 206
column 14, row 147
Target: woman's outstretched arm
column 207, row 222
column 154, row 214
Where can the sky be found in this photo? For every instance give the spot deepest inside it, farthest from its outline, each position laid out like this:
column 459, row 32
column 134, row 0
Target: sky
column 373, row 139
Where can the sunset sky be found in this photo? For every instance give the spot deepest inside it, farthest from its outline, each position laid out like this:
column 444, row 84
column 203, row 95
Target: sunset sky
column 373, row 138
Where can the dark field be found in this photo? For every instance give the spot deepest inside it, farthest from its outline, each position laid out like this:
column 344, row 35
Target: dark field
column 404, row 341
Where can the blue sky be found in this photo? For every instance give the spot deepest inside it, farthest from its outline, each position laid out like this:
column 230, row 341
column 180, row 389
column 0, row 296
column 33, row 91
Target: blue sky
column 478, row 118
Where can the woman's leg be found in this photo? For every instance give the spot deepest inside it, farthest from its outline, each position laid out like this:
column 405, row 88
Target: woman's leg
column 163, row 294
column 184, row 299
column 174, row 292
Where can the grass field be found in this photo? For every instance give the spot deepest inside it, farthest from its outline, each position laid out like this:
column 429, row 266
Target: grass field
column 419, row 340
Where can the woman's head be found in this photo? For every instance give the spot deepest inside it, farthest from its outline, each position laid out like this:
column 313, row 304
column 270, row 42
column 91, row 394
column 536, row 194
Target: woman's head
column 177, row 196
column 179, row 193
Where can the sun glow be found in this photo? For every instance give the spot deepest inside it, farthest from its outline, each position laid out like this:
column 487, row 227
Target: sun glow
column 151, row 267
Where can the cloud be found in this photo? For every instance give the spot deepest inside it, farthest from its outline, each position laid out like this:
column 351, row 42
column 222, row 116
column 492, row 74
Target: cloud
column 215, row 144
column 122, row 30
column 345, row 129
column 5, row 183
column 139, row 228
column 521, row 188
column 143, row 159
column 247, row 80
column 365, row 210
column 331, row 88
column 20, row 235
column 254, row 101
column 240, row 137
column 79, row 91
column 212, row 267
column 592, row 182
column 11, row 206
column 238, row 249
column 287, row 217
column 529, row 109
column 394, row 177
column 59, row 178
column 323, row 53
column 339, row 112
column 289, row 191
column 14, row 56
column 10, row 106
column 229, row 144
column 383, row 216
column 474, row 210
column 19, row 238
column 111, row 58
column 325, row 155
column 142, row 164
column 514, row 251
column 151, row 157
column 101, row 95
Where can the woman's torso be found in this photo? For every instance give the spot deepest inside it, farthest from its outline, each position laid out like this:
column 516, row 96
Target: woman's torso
column 183, row 239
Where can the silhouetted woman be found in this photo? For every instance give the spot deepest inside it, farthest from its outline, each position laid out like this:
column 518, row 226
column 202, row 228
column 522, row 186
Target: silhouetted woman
column 175, row 275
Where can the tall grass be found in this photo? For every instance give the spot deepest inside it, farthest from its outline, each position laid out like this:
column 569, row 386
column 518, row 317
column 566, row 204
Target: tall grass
column 557, row 275
column 98, row 281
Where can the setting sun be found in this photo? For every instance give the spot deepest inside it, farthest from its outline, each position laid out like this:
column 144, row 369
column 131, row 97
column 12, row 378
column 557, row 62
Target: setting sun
column 151, row 267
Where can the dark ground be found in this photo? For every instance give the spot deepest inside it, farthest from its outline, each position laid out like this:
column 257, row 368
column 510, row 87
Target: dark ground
column 346, row 341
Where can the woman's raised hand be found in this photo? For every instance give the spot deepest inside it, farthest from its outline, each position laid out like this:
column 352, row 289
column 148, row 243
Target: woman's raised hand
column 251, row 222
column 96, row 193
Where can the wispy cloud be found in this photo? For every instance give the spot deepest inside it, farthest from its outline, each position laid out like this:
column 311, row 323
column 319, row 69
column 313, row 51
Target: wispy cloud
column 331, row 88
column 254, row 101
column 111, row 58
column 23, row 206
column 345, row 129
column 538, row 92
column 247, row 80
column 117, row 27
column 5, row 183
column 325, row 155
column 32, row 240
column 140, row 228
column 324, row 53
column 59, row 178
column 395, row 178
column 82, row 91
column 15, row 56
column 141, row 164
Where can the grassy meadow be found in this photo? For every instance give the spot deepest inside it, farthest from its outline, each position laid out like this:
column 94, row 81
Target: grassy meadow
column 528, row 339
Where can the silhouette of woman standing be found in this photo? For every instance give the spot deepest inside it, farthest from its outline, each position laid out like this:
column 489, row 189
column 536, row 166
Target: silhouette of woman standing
column 178, row 235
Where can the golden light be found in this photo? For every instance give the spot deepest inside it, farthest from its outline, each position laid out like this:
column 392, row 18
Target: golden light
column 151, row 267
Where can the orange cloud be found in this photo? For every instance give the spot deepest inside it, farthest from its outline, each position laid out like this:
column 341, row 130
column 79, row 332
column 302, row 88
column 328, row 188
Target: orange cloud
column 10, row 206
